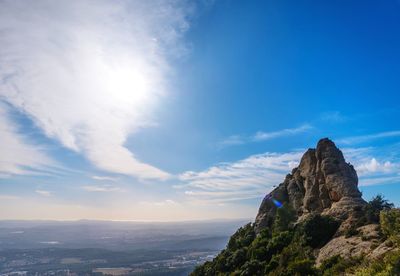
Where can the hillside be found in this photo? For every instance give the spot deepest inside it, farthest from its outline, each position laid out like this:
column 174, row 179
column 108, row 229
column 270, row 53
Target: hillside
column 315, row 223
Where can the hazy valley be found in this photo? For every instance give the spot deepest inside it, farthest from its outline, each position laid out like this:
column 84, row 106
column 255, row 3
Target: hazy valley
column 86, row 247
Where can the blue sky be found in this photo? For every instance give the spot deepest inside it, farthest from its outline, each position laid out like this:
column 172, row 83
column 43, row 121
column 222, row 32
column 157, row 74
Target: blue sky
column 179, row 110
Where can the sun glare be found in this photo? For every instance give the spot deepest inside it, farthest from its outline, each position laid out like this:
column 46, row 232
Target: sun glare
column 128, row 86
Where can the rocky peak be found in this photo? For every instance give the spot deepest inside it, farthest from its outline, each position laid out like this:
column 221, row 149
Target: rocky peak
column 322, row 183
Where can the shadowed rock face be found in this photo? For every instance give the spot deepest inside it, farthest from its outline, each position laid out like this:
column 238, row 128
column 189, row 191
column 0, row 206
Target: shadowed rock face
column 322, row 183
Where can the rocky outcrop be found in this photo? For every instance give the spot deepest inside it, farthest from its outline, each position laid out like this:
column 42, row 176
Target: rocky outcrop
column 331, row 220
column 364, row 243
column 322, row 183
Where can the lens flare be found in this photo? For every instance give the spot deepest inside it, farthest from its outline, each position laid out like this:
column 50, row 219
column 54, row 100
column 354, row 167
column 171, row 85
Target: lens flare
column 277, row 203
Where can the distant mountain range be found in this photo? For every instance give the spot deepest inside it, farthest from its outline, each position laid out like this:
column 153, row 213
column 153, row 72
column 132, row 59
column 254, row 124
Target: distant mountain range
column 315, row 223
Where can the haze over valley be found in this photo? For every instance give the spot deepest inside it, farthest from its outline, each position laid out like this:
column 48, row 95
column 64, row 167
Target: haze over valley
column 84, row 247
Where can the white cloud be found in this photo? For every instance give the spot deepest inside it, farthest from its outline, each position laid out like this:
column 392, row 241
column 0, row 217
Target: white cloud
column 17, row 156
column 374, row 166
column 262, row 136
column 256, row 175
column 380, row 180
column 244, row 179
column 104, row 178
column 89, row 73
column 372, row 170
column 101, row 188
column 43, row 192
column 370, row 137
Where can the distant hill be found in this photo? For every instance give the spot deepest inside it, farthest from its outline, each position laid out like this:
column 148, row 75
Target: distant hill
column 315, row 223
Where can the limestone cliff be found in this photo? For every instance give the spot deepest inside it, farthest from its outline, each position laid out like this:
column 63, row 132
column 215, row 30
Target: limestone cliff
column 322, row 183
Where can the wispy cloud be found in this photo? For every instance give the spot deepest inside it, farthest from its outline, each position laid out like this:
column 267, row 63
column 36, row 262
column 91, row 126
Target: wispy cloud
column 90, row 73
column 244, row 179
column 333, row 117
column 44, row 193
column 104, row 178
column 380, row 180
column 101, row 188
column 369, row 137
column 264, row 136
column 17, row 155
column 256, row 175
column 166, row 203
column 233, row 140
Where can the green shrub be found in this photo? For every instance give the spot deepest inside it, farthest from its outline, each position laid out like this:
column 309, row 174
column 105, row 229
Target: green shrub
column 318, row 230
column 263, row 248
column 244, row 236
column 392, row 262
column 259, row 247
column 390, row 224
column 330, row 262
column 273, row 264
column 206, row 269
column 374, row 207
column 252, row 268
column 278, row 242
column 337, row 265
column 364, row 271
column 352, row 231
column 390, row 265
column 285, row 216
column 220, row 262
column 302, row 267
column 237, row 259
column 289, row 254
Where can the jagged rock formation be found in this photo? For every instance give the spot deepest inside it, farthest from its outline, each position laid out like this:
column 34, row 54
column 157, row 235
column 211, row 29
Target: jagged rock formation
column 323, row 227
column 322, row 183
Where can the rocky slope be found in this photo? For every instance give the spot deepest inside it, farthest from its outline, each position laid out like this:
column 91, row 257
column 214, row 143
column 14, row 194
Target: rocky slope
column 324, row 183
column 321, row 222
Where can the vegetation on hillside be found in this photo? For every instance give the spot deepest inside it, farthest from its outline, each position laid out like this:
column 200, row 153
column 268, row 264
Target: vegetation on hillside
column 289, row 249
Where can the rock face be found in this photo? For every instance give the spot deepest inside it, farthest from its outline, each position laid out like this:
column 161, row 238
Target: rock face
column 322, row 183
column 366, row 243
